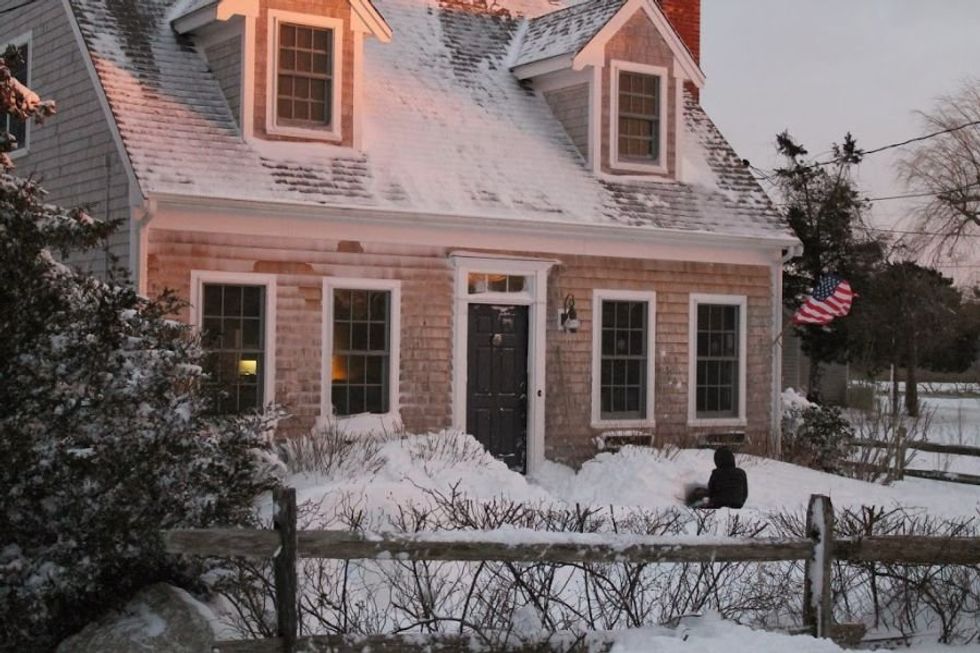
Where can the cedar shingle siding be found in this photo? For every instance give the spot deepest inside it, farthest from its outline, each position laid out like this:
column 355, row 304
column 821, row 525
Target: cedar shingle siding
column 225, row 59
column 426, row 329
column 73, row 152
column 571, row 107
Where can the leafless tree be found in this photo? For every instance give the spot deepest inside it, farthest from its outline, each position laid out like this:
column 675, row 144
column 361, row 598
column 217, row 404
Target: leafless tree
column 945, row 169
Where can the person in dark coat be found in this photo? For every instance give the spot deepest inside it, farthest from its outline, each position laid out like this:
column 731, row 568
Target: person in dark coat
column 728, row 486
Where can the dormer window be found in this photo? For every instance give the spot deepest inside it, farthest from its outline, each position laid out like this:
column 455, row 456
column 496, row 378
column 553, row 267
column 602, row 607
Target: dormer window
column 638, row 125
column 304, row 101
column 639, row 116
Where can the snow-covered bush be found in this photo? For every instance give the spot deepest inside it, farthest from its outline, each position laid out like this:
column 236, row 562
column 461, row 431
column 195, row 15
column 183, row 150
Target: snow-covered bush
column 813, row 435
column 105, row 433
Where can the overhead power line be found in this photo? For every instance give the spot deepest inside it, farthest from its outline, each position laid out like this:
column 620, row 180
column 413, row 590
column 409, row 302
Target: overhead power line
column 908, row 141
column 768, row 175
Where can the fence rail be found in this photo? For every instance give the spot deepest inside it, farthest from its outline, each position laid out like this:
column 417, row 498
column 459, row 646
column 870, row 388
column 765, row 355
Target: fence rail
column 285, row 545
column 932, row 447
column 899, row 470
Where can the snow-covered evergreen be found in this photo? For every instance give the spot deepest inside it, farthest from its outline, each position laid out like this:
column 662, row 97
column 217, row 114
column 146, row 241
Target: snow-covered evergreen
column 105, row 433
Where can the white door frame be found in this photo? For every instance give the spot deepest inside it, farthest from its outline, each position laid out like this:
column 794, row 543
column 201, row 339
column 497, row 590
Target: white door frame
column 535, row 297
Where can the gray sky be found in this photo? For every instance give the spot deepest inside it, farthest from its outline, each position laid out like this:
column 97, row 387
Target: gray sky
column 821, row 68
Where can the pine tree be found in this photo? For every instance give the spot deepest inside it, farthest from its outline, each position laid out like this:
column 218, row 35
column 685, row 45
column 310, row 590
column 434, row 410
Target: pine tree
column 106, row 436
column 823, row 207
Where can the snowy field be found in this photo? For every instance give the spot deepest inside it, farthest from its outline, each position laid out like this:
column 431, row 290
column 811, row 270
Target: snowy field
column 389, row 480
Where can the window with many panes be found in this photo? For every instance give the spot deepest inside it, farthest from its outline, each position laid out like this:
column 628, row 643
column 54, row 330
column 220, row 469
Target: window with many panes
column 304, row 75
column 718, row 345
column 18, row 69
column 639, row 99
column 233, row 325
column 361, row 351
column 482, row 282
column 623, row 360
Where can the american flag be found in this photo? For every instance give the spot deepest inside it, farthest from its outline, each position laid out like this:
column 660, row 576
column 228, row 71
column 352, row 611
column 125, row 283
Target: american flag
column 831, row 298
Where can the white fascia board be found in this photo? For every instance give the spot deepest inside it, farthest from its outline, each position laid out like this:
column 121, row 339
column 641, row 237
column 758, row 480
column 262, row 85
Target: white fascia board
column 370, row 19
column 361, row 215
column 543, row 67
column 218, row 11
column 593, row 54
column 559, row 79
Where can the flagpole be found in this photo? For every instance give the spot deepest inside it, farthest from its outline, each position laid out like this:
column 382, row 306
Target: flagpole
column 781, row 332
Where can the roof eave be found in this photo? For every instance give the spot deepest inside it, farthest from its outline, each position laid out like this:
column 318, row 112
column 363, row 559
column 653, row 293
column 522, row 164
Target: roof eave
column 534, row 69
column 220, row 10
column 371, row 19
column 366, row 214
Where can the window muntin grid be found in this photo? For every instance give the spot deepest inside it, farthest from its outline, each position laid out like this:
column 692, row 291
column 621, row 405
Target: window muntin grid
column 717, row 390
column 482, row 282
column 304, row 80
column 361, row 351
column 233, row 327
column 623, row 360
column 639, row 116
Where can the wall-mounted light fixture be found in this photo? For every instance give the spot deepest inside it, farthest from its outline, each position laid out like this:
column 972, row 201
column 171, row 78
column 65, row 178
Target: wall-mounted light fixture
column 568, row 320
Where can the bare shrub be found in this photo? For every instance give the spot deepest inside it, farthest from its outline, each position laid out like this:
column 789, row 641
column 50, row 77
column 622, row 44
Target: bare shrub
column 329, row 449
column 895, row 433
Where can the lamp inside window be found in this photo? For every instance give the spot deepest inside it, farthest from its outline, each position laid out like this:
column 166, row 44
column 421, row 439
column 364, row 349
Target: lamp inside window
column 248, row 367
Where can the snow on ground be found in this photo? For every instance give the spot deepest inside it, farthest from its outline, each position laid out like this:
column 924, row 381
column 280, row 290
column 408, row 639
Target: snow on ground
column 397, row 472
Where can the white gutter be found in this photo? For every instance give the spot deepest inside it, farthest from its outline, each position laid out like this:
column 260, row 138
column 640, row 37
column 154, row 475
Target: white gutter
column 138, row 243
column 359, row 214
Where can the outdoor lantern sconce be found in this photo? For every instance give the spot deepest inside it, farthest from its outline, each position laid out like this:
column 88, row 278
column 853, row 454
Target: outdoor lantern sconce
column 568, row 320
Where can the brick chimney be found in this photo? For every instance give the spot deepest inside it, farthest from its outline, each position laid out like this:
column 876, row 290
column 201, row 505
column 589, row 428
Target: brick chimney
column 685, row 15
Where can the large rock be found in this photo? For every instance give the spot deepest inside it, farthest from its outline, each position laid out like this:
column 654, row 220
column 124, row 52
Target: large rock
column 159, row 619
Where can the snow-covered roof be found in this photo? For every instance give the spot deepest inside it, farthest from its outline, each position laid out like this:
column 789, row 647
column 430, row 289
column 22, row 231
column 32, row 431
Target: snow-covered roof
column 447, row 129
column 565, row 31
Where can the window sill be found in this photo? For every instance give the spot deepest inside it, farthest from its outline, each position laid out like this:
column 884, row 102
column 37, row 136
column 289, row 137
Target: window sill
column 310, row 133
column 19, row 153
column 637, row 166
column 623, row 423
column 718, row 421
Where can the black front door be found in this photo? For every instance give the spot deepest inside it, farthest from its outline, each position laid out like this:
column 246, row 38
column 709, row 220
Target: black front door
column 496, row 384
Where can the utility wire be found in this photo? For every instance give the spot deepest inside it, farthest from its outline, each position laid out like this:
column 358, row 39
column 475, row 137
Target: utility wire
column 912, row 232
column 816, row 164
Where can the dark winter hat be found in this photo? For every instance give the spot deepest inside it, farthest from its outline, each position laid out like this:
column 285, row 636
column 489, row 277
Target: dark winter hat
column 724, row 458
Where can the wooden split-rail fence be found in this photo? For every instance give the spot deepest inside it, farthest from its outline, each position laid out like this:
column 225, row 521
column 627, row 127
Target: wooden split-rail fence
column 901, row 449
column 284, row 544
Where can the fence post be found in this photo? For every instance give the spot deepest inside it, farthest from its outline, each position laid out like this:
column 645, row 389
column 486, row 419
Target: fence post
column 817, row 606
column 284, row 566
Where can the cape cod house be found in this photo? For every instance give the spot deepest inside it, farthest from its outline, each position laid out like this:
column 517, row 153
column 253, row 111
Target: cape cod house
column 512, row 218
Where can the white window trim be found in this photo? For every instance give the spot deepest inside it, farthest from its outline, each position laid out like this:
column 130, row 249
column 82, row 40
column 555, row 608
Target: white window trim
column 725, row 300
column 332, row 132
column 201, row 277
column 535, row 297
column 650, row 297
column 394, row 286
column 616, row 66
column 27, row 38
